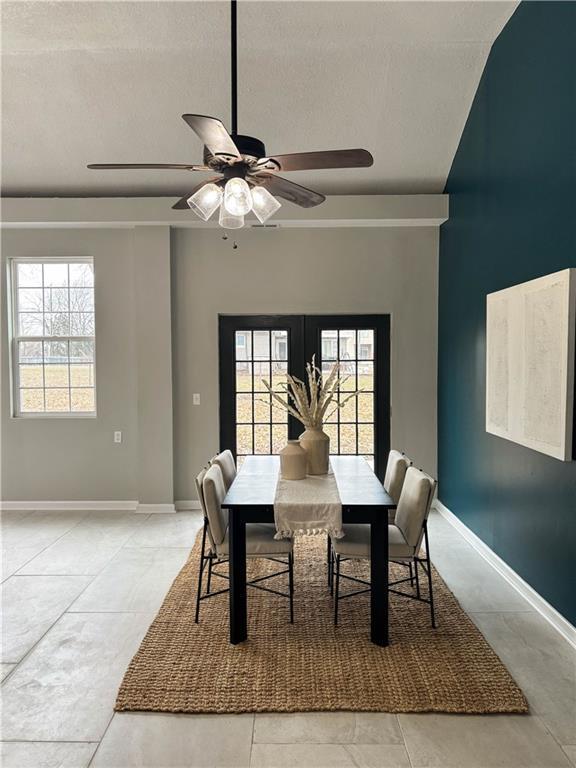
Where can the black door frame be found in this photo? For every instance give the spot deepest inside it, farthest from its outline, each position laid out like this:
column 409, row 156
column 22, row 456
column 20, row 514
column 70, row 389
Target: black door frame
column 303, row 342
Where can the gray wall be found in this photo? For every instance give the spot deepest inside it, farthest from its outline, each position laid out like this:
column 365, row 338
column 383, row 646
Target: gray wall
column 153, row 323
column 76, row 458
column 311, row 272
column 71, row 459
column 147, row 393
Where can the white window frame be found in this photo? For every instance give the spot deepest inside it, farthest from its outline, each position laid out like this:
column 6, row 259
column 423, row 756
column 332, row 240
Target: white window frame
column 16, row 411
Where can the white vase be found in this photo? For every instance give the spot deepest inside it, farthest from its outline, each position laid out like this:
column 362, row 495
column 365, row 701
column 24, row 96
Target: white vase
column 293, row 461
column 316, row 443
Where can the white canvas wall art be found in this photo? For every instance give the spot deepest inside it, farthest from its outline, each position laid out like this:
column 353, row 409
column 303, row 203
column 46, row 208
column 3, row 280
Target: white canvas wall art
column 530, row 350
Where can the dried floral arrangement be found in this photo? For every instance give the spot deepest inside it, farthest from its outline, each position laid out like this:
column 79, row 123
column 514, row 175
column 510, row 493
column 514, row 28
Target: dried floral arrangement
column 309, row 402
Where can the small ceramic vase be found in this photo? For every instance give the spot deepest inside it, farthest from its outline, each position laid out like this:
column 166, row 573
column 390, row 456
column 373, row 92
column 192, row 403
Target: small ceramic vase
column 293, row 461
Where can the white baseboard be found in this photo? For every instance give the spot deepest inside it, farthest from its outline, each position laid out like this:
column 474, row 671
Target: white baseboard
column 560, row 624
column 186, row 505
column 155, row 509
column 87, row 506
column 65, row 506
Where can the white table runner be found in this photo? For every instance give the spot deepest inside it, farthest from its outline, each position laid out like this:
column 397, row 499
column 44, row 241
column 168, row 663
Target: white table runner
column 308, row 506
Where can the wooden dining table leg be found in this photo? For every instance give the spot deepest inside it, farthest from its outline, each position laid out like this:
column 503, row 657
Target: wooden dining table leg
column 237, row 574
column 379, row 579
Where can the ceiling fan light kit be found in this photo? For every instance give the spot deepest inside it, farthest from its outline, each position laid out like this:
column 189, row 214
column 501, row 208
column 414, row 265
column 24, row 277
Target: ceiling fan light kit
column 206, row 200
column 264, row 204
column 229, row 220
column 237, row 197
column 247, row 178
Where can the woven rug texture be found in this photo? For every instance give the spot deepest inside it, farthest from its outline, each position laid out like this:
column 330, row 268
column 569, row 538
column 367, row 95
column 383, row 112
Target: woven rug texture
column 312, row 665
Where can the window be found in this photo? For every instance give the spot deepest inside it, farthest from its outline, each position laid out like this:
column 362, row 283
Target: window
column 53, row 337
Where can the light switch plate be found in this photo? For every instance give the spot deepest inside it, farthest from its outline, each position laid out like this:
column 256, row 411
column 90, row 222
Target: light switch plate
column 118, row 437
column 196, row 399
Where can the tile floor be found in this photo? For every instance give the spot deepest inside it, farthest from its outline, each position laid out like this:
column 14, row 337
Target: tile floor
column 80, row 590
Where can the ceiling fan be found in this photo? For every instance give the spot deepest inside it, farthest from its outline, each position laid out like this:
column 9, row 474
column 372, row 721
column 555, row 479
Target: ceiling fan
column 247, row 178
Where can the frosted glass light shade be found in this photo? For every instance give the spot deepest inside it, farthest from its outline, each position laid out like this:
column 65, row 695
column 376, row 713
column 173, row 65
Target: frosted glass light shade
column 263, row 204
column 237, row 198
column 228, row 220
column 205, row 201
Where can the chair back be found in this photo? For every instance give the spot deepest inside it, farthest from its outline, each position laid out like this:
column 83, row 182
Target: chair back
column 200, row 491
column 395, row 474
column 226, row 462
column 414, row 505
column 214, row 492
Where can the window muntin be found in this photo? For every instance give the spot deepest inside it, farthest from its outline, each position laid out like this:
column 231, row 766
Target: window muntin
column 53, row 337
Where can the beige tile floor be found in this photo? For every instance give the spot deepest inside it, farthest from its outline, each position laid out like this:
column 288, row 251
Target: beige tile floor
column 80, row 589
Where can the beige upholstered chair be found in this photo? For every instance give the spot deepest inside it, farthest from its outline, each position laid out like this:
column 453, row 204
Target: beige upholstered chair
column 396, row 467
column 405, row 537
column 226, row 462
column 260, row 541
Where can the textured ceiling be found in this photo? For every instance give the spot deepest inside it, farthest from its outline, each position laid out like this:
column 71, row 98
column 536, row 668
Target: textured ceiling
column 108, row 81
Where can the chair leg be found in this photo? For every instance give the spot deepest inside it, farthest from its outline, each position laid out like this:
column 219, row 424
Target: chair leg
column 208, row 581
column 199, row 591
column 411, row 575
column 331, row 569
column 291, row 585
column 337, row 590
column 328, row 558
column 416, row 575
column 429, row 567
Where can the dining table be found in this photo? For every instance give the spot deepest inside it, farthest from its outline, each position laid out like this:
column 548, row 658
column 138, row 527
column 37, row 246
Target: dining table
column 250, row 499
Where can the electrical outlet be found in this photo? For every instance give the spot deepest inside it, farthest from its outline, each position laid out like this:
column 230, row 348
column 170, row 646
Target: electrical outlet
column 196, row 399
column 118, row 437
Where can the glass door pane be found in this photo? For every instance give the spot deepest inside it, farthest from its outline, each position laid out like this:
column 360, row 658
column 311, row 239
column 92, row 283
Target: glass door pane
column 254, row 350
column 360, row 345
column 351, row 428
column 260, row 356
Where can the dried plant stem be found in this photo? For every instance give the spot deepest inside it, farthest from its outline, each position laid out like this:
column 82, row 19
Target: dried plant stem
column 308, row 402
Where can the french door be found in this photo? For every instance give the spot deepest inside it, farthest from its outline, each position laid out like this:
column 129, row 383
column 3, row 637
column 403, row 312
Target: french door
column 267, row 347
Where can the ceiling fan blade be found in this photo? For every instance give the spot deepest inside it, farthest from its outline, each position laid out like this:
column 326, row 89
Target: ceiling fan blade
column 182, row 204
column 301, row 161
column 140, row 166
column 281, row 187
column 213, row 135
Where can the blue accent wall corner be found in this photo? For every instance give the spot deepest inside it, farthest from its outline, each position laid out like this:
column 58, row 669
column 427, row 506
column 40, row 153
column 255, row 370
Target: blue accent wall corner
column 512, row 191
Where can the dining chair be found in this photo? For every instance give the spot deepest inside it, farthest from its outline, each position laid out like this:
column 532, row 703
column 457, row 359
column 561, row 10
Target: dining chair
column 405, row 538
column 215, row 549
column 225, row 461
column 396, row 467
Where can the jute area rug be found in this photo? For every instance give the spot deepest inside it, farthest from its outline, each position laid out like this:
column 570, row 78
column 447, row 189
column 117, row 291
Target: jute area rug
column 311, row 665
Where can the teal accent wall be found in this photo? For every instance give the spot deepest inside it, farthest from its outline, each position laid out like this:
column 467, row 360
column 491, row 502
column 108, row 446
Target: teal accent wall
column 512, row 191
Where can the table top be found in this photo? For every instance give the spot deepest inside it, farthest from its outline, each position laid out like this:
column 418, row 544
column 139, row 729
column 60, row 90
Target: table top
column 255, row 483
